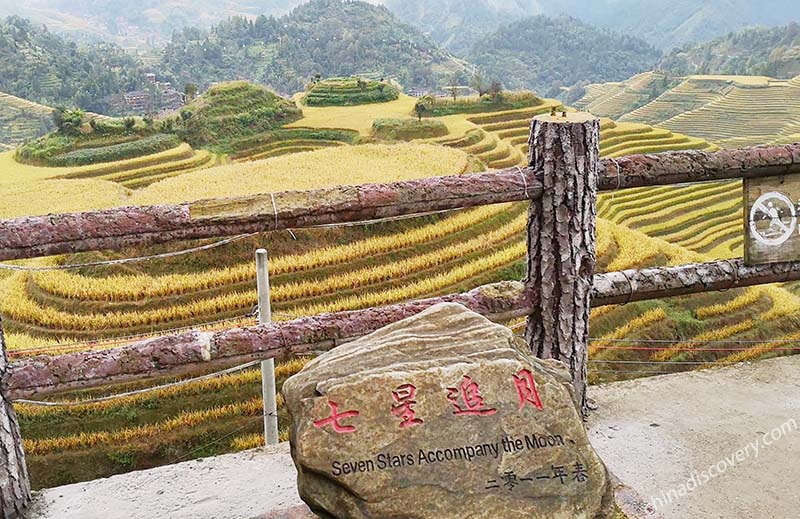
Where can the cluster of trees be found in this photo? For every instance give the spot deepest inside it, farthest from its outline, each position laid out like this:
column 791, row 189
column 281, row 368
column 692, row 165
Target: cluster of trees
column 327, row 37
column 43, row 67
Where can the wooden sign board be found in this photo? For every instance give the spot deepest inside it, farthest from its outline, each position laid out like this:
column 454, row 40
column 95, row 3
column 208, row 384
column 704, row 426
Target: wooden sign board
column 772, row 219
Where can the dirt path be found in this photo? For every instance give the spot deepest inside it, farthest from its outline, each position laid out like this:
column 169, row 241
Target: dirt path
column 653, row 434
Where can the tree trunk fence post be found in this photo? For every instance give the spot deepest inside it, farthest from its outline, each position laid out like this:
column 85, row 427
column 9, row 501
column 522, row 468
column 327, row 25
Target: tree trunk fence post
column 561, row 239
column 15, row 486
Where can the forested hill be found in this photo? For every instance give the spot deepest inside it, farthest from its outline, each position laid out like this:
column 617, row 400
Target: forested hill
column 137, row 23
column 672, row 23
column 40, row 66
column 547, row 53
column 457, row 24
column 760, row 51
column 327, row 37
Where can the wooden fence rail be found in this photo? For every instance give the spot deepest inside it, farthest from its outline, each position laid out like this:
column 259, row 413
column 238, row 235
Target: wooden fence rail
column 117, row 228
column 191, row 351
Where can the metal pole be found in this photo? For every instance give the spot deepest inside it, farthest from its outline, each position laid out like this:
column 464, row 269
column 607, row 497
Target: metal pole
column 267, row 366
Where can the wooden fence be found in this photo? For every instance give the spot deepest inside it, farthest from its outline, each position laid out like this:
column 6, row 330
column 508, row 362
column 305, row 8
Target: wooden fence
column 562, row 181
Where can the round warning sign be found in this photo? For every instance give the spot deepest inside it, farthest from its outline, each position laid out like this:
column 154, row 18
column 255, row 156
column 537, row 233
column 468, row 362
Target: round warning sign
column 773, row 218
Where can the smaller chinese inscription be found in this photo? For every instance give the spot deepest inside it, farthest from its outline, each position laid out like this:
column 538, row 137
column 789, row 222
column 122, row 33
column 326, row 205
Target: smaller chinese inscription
column 509, row 480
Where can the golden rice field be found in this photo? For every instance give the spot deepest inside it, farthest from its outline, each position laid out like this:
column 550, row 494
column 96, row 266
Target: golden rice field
column 358, row 117
column 322, row 168
column 730, row 111
column 322, row 270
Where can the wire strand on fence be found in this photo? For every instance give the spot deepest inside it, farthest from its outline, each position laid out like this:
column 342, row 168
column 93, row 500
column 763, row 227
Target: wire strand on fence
column 213, row 442
column 661, row 362
column 696, row 341
column 126, row 338
column 121, row 261
column 524, row 181
column 99, row 343
column 619, row 179
column 633, row 372
column 179, row 383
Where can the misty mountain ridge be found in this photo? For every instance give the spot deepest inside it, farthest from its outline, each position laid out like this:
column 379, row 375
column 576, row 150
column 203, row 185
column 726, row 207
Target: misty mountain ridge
column 455, row 24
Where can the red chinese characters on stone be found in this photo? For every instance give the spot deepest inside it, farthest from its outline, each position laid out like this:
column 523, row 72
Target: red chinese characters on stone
column 467, row 399
column 335, row 418
column 526, row 390
column 405, row 400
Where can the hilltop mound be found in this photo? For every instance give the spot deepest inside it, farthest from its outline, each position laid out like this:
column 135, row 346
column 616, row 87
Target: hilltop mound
column 234, row 110
column 326, row 37
column 349, row 91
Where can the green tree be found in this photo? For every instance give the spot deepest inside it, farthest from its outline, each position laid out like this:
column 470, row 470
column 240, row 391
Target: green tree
column 455, row 81
column 68, row 122
column 189, row 91
column 420, row 108
column 478, row 84
column 496, row 90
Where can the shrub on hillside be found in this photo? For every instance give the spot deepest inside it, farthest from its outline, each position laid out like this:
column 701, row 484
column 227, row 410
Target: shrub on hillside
column 437, row 107
column 349, row 91
column 125, row 150
column 99, row 133
column 407, row 129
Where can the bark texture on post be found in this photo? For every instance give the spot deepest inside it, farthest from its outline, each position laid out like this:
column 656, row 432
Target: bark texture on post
column 15, row 487
column 561, row 234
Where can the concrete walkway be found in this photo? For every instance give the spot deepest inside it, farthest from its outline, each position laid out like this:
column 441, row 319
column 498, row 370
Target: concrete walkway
column 652, row 433
column 655, row 433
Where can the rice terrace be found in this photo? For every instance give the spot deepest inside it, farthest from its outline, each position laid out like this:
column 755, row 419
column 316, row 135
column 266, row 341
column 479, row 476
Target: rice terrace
column 393, row 168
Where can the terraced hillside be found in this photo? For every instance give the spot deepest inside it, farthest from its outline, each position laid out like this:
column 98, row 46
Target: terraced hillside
column 47, row 303
column 614, row 100
column 746, row 115
column 730, row 111
column 500, row 140
column 690, row 94
column 21, row 120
